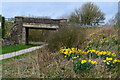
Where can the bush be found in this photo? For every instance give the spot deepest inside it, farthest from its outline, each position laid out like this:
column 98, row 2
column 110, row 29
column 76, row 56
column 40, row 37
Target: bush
column 69, row 36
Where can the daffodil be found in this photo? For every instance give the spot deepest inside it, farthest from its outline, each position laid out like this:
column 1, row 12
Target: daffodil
column 93, row 62
column 108, row 53
column 104, row 61
column 108, row 58
column 72, row 61
column 83, row 61
column 113, row 54
column 65, row 56
column 118, row 60
column 66, row 53
column 89, row 60
column 104, row 53
column 114, row 61
column 74, row 57
column 100, row 53
column 90, row 42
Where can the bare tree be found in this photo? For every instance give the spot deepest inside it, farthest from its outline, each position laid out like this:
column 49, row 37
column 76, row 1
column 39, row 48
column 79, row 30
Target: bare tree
column 114, row 21
column 88, row 14
column 75, row 16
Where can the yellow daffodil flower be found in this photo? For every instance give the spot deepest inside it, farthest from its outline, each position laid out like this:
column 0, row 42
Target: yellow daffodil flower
column 83, row 61
column 104, row 61
column 108, row 58
column 74, row 57
column 113, row 54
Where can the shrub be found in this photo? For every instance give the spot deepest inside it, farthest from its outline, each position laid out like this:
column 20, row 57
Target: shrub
column 69, row 36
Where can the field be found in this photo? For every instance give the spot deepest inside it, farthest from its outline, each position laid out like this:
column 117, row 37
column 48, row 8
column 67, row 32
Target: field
column 96, row 56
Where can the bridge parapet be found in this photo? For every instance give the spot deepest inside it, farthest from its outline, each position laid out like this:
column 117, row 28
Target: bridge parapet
column 40, row 20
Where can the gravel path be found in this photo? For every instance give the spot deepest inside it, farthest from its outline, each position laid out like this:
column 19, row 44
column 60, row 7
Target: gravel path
column 12, row 54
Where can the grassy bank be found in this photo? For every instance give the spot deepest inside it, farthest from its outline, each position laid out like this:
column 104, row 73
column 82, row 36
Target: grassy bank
column 97, row 57
column 13, row 48
column 14, row 58
column 53, row 66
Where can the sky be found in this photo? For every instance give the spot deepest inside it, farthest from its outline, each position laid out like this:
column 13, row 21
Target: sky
column 52, row 9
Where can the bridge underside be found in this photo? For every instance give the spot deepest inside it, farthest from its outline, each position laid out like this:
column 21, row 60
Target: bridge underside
column 41, row 28
column 25, row 32
column 45, row 26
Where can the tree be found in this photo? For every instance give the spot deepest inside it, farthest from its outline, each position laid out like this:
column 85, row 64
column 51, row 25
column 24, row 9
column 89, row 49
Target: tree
column 75, row 16
column 114, row 21
column 2, row 20
column 88, row 14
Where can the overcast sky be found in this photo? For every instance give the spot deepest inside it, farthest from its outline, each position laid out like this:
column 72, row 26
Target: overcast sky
column 52, row 9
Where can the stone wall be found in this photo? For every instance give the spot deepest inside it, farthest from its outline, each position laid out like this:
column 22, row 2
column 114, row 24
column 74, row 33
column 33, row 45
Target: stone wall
column 15, row 34
column 6, row 42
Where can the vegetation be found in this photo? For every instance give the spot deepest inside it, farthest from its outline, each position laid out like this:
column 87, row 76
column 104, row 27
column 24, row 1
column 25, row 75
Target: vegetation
column 96, row 58
column 5, row 27
column 2, row 29
column 8, row 26
column 114, row 22
column 13, row 48
column 15, row 57
column 69, row 36
column 84, row 60
column 39, row 35
column 88, row 14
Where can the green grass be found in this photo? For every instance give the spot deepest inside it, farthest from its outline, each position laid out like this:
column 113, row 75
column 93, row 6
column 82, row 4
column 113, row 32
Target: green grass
column 15, row 57
column 13, row 48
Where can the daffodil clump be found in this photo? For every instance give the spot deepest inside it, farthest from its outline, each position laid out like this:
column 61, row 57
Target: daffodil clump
column 81, row 65
column 68, row 51
column 83, row 61
column 90, row 61
column 103, row 46
column 101, row 41
column 111, row 62
column 76, row 55
column 72, row 53
column 101, row 54
column 97, row 46
column 111, row 59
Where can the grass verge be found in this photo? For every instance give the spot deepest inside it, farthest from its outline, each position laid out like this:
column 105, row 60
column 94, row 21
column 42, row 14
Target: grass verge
column 16, row 57
column 13, row 48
